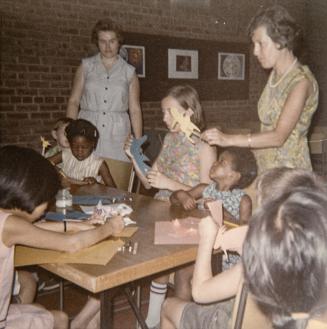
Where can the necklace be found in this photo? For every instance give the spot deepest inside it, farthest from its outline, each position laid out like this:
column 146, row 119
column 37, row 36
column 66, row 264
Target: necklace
column 273, row 85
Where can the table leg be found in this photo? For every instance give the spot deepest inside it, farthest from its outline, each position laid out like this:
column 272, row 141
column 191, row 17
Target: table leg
column 135, row 309
column 106, row 308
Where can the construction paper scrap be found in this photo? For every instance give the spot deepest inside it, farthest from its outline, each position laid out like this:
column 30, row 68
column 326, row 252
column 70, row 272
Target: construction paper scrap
column 128, row 232
column 91, row 200
column 230, row 224
column 177, row 231
column 216, row 210
column 128, row 221
column 99, row 254
column 137, row 153
column 69, row 215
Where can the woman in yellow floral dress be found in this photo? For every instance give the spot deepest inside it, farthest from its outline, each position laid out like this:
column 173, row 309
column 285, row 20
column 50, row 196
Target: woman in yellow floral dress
column 288, row 101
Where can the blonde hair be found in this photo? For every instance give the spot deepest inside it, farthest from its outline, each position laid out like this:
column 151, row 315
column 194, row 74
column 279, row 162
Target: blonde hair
column 188, row 98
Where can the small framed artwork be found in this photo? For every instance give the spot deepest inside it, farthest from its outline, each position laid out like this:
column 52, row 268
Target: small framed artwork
column 182, row 64
column 231, row 66
column 134, row 55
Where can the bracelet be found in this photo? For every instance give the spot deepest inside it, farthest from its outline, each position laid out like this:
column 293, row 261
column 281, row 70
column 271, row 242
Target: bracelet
column 249, row 140
column 65, row 226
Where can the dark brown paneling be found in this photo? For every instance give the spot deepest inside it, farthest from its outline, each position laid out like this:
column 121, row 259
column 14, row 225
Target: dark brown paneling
column 156, row 82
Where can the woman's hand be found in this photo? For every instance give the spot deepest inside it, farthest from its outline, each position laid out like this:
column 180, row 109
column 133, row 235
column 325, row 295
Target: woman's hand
column 158, row 180
column 214, row 137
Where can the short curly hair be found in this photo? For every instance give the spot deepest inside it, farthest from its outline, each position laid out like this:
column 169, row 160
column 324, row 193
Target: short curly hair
column 281, row 27
column 81, row 127
column 244, row 162
column 105, row 25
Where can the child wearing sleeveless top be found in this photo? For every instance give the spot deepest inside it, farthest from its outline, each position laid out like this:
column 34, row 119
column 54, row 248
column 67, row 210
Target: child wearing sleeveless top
column 80, row 165
column 27, row 183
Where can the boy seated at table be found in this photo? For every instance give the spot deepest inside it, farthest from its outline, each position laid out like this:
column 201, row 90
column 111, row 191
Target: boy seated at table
column 221, row 289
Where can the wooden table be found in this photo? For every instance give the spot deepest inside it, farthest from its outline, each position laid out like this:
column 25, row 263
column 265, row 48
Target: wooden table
column 126, row 267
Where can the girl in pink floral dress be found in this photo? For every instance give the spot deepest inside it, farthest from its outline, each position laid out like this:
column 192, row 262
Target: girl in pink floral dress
column 180, row 165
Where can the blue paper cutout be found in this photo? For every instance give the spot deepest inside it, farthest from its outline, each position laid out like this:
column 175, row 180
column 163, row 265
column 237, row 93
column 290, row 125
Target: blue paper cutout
column 71, row 215
column 138, row 155
column 90, row 200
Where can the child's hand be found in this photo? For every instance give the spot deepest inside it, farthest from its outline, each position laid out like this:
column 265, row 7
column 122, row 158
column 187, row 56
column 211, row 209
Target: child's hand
column 220, row 241
column 117, row 224
column 232, row 239
column 90, row 180
column 157, row 179
column 127, row 145
column 208, row 229
column 206, row 201
column 187, row 201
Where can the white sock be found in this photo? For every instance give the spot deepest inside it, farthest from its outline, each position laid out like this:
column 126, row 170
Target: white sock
column 157, row 297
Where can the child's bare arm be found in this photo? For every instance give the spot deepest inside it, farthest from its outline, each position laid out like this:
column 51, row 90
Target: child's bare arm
column 205, row 287
column 55, row 159
column 59, row 226
column 245, row 209
column 20, row 231
column 106, row 175
column 183, row 198
column 187, row 198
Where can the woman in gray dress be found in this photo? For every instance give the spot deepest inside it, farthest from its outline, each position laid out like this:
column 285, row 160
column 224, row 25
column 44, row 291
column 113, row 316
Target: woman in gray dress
column 106, row 90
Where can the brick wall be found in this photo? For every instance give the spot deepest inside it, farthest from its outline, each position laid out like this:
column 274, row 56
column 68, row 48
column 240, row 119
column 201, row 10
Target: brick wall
column 43, row 42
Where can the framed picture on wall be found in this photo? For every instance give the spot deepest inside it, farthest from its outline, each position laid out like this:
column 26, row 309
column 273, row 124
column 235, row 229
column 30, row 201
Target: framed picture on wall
column 182, row 64
column 231, row 66
column 134, row 55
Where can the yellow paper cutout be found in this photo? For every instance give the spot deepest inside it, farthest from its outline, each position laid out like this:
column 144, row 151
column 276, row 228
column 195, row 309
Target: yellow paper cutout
column 45, row 143
column 185, row 124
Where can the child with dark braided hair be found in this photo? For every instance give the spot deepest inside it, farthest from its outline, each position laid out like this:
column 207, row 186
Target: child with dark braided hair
column 79, row 163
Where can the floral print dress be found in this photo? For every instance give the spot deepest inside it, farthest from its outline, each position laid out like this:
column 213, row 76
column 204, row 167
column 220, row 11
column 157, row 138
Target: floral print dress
column 179, row 160
column 294, row 153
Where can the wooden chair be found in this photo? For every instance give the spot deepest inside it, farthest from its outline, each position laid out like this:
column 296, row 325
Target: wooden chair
column 121, row 173
column 246, row 313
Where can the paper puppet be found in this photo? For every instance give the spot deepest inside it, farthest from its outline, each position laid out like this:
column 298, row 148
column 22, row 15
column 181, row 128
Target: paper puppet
column 216, row 211
column 137, row 153
column 45, row 143
column 185, row 124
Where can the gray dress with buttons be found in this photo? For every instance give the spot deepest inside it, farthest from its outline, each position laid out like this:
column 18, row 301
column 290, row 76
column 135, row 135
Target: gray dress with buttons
column 104, row 102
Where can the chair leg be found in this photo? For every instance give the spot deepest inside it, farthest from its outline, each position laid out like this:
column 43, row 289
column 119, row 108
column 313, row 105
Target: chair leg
column 241, row 307
column 131, row 181
column 138, row 302
column 61, row 294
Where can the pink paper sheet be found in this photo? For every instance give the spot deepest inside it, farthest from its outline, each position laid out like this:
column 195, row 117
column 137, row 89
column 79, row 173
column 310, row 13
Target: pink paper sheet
column 178, row 231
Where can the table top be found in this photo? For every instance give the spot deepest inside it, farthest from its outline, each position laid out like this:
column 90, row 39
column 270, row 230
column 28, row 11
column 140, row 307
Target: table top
column 149, row 259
